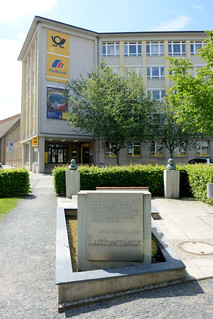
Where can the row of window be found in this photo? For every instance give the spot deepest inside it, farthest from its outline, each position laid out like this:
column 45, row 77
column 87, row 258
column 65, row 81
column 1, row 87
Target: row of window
column 59, row 153
column 153, row 72
column 157, row 149
column 152, row 48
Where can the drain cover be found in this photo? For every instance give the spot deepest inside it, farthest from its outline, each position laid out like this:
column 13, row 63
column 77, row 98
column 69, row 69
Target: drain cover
column 196, row 247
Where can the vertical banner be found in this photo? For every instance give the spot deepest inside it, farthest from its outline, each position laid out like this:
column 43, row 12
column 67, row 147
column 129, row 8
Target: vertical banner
column 57, row 104
column 57, row 57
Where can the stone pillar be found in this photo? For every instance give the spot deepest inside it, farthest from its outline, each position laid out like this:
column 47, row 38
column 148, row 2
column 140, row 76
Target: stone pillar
column 72, row 183
column 171, row 183
column 41, row 155
column 30, row 156
column 210, row 190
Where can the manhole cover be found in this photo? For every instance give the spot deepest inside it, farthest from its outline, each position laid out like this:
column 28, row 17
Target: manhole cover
column 196, row 247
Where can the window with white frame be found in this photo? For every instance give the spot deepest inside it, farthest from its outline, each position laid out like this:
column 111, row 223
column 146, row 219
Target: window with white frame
column 195, row 47
column 136, row 68
column 154, row 48
column 108, row 151
column 132, row 49
column 157, row 95
column 156, row 149
column 155, row 72
column 202, row 148
column 134, row 149
column 110, row 49
column 180, row 151
column 177, row 48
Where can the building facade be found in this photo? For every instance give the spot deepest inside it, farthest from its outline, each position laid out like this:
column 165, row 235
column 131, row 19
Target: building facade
column 54, row 53
column 10, row 146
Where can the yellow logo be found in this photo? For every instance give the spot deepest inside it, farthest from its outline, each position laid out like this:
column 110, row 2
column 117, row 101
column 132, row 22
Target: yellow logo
column 57, row 68
column 35, row 141
column 57, row 43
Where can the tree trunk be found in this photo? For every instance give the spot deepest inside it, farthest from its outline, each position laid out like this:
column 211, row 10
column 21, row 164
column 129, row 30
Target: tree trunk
column 117, row 159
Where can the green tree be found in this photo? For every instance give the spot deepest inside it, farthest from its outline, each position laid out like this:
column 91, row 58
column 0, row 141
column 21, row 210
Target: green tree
column 192, row 96
column 110, row 107
column 164, row 127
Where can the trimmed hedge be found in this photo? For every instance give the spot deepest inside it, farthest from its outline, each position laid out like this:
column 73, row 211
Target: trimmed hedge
column 124, row 176
column 14, row 182
column 114, row 176
column 120, row 176
column 193, row 179
column 199, row 175
column 59, row 180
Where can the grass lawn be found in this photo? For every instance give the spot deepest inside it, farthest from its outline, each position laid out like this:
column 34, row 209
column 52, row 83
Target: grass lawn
column 7, row 204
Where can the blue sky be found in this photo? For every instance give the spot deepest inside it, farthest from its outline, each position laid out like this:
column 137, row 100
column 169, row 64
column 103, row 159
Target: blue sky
column 95, row 15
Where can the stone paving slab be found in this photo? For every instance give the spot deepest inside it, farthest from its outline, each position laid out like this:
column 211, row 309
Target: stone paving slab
column 187, row 220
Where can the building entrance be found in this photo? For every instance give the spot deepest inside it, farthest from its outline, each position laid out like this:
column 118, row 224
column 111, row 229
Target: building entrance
column 85, row 153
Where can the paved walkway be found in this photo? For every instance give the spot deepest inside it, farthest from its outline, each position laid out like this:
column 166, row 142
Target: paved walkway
column 27, row 264
column 188, row 226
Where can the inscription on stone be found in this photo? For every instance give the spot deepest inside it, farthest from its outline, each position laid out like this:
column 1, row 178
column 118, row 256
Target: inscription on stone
column 115, row 226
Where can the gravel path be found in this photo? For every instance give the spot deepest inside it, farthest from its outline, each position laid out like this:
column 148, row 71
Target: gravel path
column 27, row 273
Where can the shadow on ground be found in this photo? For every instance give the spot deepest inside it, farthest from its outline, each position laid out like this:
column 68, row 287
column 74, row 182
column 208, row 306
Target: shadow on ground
column 180, row 290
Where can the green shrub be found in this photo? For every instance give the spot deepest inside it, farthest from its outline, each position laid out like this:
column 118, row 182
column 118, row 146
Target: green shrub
column 124, row 176
column 199, row 175
column 193, row 179
column 185, row 187
column 14, row 182
column 59, row 180
column 114, row 176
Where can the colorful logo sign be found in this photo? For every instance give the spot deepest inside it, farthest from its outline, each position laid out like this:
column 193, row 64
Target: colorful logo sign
column 57, row 64
column 57, row 69
column 35, row 141
column 57, row 57
column 58, row 41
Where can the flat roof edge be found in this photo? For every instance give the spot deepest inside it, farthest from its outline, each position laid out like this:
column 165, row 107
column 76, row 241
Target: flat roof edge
column 39, row 19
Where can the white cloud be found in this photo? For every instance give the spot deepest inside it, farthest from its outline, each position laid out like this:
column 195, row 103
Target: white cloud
column 10, row 80
column 12, row 10
column 200, row 8
column 174, row 25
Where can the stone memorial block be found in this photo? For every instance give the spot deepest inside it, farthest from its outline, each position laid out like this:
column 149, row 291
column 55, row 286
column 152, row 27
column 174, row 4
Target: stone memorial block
column 171, row 183
column 114, row 226
column 72, row 183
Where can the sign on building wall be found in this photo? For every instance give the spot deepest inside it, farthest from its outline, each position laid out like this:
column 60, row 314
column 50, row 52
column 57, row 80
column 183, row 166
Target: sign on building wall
column 57, row 56
column 35, row 141
column 57, row 104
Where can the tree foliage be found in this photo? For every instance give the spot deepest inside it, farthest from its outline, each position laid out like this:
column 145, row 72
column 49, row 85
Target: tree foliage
column 164, row 127
column 110, row 107
column 192, row 96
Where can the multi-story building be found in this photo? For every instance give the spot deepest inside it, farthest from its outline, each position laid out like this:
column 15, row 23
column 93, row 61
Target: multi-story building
column 54, row 53
column 10, row 146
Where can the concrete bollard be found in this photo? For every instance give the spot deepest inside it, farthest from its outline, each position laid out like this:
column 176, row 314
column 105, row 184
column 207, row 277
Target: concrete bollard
column 72, row 180
column 72, row 183
column 210, row 190
column 171, row 183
